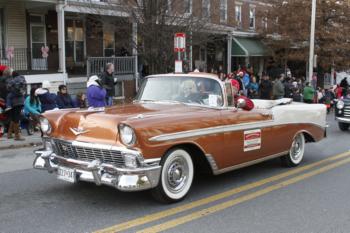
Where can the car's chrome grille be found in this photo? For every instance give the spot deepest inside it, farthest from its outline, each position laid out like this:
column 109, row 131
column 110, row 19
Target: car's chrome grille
column 347, row 111
column 67, row 150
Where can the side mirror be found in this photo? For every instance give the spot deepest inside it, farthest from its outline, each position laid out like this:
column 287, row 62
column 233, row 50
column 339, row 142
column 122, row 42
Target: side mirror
column 241, row 103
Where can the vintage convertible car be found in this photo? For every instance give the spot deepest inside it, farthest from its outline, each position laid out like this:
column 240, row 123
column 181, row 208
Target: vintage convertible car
column 179, row 124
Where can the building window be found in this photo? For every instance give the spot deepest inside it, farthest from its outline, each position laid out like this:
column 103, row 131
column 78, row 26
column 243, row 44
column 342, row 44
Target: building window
column 168, row 7
column 206, row 9
column 223, row 11
column 264, row 22
column 252, row 18
column 2, row 30
column 108, row 43
column 74, row 40
column 188, row 6
column 238, row 15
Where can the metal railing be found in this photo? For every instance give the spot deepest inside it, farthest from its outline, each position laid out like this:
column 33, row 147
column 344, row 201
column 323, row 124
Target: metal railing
column 122, row 65
column 21, row 59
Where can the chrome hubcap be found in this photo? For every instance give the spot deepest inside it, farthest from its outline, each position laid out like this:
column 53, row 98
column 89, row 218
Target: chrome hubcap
column 297, row 147
column 177, row 174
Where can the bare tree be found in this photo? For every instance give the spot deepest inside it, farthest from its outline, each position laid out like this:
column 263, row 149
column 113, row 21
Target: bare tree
column 288, row 31
column 158, row 21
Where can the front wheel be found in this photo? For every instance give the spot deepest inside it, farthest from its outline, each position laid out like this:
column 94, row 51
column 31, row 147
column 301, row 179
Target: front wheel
column 176, row 177
column 296, row 152
column 343, row 126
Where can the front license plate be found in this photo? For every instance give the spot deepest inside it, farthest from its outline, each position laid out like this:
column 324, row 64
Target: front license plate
column 66, row 174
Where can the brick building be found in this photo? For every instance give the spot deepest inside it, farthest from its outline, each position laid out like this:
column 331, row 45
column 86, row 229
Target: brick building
column 77, row 45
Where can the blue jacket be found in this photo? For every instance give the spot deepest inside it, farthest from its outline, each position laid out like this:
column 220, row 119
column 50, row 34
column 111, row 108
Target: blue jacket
column 246, row 80
column 31, row 108
column 64, row 101
column 48, row 101
column 96, row 96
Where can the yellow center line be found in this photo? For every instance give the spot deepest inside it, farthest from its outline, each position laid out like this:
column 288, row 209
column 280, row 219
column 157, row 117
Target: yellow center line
column 169, row 212
column 233, row 202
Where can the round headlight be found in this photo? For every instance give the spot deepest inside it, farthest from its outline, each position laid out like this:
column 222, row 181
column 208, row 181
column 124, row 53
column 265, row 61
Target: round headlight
column 45, row 126
column 340, row 104
column 127, row 135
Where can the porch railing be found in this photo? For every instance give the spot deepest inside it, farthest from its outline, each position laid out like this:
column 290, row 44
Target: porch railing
column 21, row 59
column 122, row 65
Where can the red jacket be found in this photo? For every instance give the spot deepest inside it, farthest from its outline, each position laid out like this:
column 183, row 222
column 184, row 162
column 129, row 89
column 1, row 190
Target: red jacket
column 249, row 103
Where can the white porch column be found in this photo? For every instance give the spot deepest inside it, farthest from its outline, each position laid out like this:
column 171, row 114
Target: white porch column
column 229, row 53
column 61, row 38
column 135, row 53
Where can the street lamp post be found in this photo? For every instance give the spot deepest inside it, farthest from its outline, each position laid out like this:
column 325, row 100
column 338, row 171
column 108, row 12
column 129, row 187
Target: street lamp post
column 312, row 40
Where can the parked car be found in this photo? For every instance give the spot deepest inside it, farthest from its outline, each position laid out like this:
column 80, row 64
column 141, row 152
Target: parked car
column 179, row 124
column 342, row 113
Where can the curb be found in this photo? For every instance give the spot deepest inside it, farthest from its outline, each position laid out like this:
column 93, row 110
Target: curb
column 30, row 144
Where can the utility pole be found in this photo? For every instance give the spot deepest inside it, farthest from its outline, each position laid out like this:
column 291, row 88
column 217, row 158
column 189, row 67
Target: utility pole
column 312, row 40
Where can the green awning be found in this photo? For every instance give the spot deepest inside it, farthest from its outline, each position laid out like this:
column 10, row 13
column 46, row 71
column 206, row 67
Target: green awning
column 248, row 47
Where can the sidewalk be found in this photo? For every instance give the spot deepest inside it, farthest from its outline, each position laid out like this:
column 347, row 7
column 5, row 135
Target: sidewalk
column 33, row 140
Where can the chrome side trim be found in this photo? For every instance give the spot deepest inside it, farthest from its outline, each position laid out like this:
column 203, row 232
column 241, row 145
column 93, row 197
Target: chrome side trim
column 211, row 130
column 222, row 129
column 217, row 171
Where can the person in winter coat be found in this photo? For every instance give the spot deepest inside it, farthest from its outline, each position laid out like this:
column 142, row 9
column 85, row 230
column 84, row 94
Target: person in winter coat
column 14, row 105
column 308, row 93
column 47, row 99
column 253, row 88
column 32, row 107
column 249, row 104
column 63, row 99
column 278, row 88
column 345, row 85
column 80, row 101
column 3, row 81
column 288, row 86
column 265, row 88
column 107, row 81
column 96, row 94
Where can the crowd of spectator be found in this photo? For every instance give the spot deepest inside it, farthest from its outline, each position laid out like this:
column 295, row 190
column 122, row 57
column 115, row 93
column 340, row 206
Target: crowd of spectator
column 18, row 105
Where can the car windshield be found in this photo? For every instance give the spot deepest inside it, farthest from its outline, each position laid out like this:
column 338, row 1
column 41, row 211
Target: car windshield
column 196, row 90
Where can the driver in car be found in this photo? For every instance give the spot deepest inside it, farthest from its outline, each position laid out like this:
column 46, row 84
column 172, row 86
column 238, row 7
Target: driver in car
column 189, row 92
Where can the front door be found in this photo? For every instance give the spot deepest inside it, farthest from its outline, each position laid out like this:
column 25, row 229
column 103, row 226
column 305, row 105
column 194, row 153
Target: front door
column 38, row 42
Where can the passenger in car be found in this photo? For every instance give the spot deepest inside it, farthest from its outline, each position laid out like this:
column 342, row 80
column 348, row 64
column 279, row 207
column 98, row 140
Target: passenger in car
column 249, row 105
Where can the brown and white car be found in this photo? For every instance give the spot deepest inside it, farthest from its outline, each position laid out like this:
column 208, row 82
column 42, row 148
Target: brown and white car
column 177, row 123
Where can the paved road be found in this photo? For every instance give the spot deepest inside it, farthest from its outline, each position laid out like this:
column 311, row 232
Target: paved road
column 261, row 198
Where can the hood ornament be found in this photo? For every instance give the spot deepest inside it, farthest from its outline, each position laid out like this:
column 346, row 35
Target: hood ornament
column 78, row 131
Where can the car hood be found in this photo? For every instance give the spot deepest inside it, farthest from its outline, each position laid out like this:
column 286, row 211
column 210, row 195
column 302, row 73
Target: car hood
column 101, row 125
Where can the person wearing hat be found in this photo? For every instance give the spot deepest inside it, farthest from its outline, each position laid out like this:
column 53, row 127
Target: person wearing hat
column 249, row 105
column 47, row 99
column 14, row 105
column 95, row 93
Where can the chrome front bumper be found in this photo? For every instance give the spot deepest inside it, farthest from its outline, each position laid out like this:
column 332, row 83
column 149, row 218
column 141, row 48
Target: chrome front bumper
column 124, row 179
column 343, row 119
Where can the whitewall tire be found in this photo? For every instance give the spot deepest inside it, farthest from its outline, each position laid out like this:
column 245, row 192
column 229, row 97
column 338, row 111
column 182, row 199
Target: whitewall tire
column 176, row 176
column 296, row 152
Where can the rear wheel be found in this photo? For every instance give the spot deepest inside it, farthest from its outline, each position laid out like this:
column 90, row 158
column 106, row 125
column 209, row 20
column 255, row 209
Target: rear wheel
column 296, row 152
column 343, row 126
column 176, row 177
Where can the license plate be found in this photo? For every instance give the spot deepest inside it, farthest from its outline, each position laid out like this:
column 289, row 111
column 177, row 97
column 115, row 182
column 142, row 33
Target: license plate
column 66, row 174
